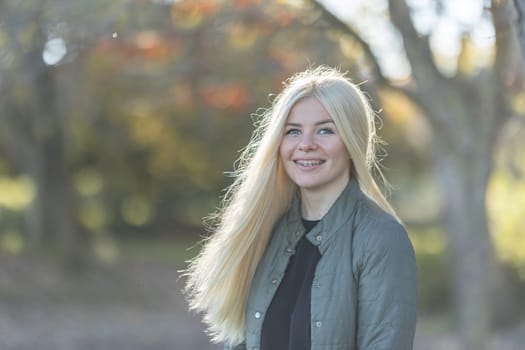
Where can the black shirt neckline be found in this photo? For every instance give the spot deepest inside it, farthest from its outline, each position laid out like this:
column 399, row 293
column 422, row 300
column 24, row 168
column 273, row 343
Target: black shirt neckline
column 309, row 224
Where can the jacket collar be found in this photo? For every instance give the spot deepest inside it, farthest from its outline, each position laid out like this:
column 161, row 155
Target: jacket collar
column 337, row 215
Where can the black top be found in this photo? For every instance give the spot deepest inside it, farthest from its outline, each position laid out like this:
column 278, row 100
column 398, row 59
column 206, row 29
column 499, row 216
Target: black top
column 286, row 325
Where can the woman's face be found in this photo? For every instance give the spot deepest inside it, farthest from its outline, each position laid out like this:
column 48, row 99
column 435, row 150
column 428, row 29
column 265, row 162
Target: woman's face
column 311, row 151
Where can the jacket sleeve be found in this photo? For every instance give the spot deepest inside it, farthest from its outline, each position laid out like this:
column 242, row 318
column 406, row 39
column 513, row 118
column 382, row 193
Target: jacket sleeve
column 387, row 289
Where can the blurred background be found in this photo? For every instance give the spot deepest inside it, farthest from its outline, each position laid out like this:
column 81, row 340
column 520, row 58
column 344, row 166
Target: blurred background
column 119, row 119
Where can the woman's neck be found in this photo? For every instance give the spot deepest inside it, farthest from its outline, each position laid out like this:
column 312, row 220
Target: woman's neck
column 315, row 204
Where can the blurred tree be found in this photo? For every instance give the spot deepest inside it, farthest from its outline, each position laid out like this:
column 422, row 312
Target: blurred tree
column 121, row 112
column 467, row 111
column 32, row 126
column 39, row 41
column 519, row 25
column 179, row 83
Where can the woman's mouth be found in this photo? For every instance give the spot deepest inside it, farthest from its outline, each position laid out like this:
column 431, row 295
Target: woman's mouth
column 309, row 162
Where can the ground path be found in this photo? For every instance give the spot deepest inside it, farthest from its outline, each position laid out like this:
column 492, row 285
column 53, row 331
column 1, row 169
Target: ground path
column 134, row 306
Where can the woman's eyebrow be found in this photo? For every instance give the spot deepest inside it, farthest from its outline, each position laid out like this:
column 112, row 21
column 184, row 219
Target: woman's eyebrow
column 317, row 123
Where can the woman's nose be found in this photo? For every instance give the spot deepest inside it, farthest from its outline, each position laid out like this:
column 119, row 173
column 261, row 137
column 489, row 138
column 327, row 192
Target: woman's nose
column 307, row 142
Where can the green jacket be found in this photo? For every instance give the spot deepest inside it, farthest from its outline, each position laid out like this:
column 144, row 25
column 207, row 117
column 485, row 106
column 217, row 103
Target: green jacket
column 364, row 292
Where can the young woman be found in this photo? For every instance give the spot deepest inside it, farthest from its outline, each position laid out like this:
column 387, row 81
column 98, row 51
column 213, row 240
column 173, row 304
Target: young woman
column 306, row 252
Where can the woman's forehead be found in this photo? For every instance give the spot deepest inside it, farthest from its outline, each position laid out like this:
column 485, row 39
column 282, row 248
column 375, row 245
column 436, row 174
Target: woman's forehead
column 308, row 110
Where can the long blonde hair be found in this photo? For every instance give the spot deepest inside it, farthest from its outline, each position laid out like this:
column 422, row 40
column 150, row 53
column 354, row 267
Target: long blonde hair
column 219, row 278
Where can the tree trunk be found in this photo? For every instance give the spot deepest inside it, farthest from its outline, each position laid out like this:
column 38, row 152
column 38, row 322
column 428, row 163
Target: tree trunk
column 464, row 189
column 52, row 218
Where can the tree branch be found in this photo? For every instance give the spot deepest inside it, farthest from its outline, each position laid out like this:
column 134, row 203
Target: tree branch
column 507, row 67
column 519, row 25
column 336, row 23
column 417, row 48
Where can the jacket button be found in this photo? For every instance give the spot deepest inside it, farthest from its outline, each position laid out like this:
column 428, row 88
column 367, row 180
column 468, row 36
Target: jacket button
column 274, row 280
column 257, row 314
column 297, row 233
column 319, row 238
column 318, row 324
column 290, row 250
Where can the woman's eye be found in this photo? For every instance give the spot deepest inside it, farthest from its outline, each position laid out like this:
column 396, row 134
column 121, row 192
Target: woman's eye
column 326, row 132
column 293, row 132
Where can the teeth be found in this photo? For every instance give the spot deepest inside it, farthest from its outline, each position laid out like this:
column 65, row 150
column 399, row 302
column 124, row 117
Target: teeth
column 308, row 163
